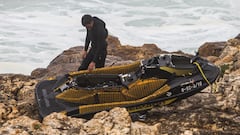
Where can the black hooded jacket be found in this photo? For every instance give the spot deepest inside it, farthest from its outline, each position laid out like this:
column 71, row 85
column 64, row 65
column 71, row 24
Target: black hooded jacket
column 97, row 36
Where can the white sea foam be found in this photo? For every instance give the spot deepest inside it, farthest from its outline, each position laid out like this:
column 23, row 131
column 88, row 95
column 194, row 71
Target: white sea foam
column 32, row 33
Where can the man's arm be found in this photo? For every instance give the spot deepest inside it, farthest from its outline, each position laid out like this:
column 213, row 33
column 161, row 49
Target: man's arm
column 100, row 42
column 87, row 41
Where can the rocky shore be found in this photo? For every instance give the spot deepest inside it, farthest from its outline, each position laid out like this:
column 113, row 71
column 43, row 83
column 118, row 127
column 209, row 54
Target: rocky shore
column 214, row 111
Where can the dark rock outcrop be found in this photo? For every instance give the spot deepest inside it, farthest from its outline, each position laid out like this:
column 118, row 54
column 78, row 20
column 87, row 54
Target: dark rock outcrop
column 211, row 49
column 237, row 37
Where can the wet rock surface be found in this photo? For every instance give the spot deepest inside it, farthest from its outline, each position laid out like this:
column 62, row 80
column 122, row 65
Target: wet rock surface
column 216, row 110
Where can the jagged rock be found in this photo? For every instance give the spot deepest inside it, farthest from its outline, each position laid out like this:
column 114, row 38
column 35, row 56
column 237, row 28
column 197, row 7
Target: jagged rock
column 212, row 59
column 39, row 72
column 229, row 87
column 113, row 43
column 7, row 111
column 21, row 125
column 61, row 123
column 140, row 128
column 230, row 55
column 115, row 60
column 17, row 96
column 237, row 37
column 115, row 122
column 127, row 52
column 211, row 49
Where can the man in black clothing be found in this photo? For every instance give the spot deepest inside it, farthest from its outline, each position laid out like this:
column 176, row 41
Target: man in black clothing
column 96, row 35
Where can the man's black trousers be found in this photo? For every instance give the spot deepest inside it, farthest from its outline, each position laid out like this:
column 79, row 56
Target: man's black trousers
column 89, row 58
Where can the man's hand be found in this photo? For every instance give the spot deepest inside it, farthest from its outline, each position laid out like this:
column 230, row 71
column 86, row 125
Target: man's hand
column 84, row 54
column 91, row 66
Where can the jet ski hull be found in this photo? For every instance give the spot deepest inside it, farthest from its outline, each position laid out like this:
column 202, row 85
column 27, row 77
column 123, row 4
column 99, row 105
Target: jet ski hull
column 140, row 88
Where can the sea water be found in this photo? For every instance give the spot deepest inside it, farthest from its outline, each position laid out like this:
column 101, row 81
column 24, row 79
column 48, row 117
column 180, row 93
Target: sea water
column 33, row 32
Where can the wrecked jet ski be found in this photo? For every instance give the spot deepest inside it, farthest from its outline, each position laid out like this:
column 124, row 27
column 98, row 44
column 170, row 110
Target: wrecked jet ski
column 139, row 86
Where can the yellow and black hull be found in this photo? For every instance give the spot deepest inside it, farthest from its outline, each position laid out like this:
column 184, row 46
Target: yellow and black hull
column 139, row 86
